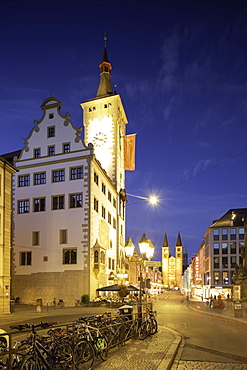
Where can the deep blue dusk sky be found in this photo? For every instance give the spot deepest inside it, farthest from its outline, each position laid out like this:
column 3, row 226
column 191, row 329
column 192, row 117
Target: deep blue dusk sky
column 181, row 70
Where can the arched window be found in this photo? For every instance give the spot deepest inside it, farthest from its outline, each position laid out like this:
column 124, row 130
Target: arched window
column 96, row 257
column 102, row 257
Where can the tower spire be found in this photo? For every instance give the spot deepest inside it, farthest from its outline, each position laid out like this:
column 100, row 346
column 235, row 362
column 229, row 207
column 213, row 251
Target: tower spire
column 179, row 241
column 165, row 242
column 105, row 87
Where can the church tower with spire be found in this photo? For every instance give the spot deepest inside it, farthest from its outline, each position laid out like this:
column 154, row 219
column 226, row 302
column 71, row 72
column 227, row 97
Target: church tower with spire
column 172, row 267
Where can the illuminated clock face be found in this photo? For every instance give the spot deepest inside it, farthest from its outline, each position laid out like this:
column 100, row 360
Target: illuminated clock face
column 99, row 139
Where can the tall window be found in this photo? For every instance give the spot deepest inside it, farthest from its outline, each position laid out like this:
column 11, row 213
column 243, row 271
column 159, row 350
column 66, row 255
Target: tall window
column 109, row 196
column 216, row 262
column 225, row 279
column 216, row 277
column 96, row 178
column 35, row 238
column 69, row 256
column 39, row 178
column 51, row 131
column 39, row 204
column 76, row 173
column 224, row 262
column 216, row 234
column 233, row 261
column 58, row 202
column 96, row 256
column 216, row 248
column 63, row 236
column 96, row 205
column 102, row 257
column 25, row 258
column 103, row 211
column 241, row 233
column 58, row 175
column 233, row 234
column 224, row 234
column 109, row 218
column 75, row 200
column 224, row 248
column 233, row 248
column 103, row 188
column 24, row 180
column 23, row 206
column 66, row 148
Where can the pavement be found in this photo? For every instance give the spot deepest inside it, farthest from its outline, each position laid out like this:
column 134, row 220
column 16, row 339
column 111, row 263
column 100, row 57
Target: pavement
column 158, row 352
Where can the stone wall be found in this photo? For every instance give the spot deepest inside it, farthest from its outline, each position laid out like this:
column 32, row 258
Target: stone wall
column 68, row 286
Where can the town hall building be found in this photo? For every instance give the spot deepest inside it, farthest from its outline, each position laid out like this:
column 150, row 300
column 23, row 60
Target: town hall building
column 69, row 200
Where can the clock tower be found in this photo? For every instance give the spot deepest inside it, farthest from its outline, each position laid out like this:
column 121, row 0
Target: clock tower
column 105, row 126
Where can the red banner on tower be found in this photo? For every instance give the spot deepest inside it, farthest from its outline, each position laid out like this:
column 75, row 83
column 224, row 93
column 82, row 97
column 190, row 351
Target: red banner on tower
column 129, row 152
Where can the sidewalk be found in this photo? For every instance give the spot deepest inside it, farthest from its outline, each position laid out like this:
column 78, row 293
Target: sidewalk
column 154, row 353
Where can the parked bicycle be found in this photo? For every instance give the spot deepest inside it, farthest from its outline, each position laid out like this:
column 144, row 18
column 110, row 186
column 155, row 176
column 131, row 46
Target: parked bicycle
column 46, row 352
column 149, row 325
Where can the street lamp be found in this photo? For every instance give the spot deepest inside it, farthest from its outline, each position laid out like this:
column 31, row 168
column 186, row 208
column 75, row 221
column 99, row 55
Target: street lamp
column 146, row 251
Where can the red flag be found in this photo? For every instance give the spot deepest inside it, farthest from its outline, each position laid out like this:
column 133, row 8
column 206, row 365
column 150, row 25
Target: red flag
column 129, row 152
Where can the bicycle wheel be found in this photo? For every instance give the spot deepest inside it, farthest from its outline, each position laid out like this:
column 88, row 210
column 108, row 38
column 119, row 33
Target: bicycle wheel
column 30, row 363
column 63, row 357
column 153, row 326
column 84, row 355
column 102, row 347
column 144, row 330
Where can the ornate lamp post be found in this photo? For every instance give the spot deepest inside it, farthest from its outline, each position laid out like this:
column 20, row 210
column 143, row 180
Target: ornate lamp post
column 146, row 251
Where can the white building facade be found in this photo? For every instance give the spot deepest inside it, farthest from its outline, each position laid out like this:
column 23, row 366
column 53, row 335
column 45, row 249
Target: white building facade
column 69, row 200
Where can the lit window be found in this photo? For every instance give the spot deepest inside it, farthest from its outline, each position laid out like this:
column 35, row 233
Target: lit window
column 225, row 279
column 216, row 278
column 69, row 256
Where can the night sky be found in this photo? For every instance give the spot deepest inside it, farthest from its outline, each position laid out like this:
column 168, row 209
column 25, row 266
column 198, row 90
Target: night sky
column 180, row 68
